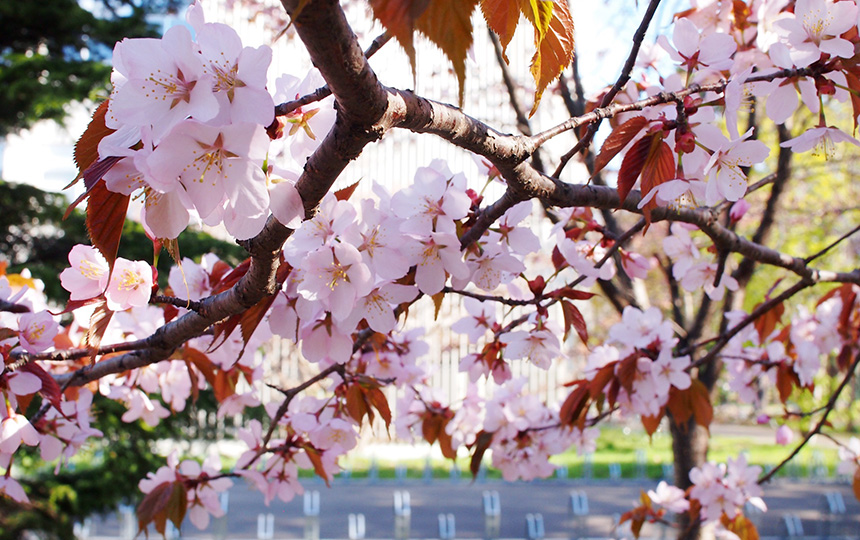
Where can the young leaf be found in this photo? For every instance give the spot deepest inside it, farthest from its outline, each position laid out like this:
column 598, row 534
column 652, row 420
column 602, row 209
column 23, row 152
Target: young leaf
column 448, row 24
column 502, row 17
column 659, row 167
column 105, row 217
column 398, row 17
column 50, row 389
column 345, row 193
column 573, row 317
column 767, row 322
column 631, row 167
column 482, row 444
column 99, row 321
column 539, row 13
column 554, row 52
column 700, row 401
column 87, row 147
column 617, row 140
column 377, row 399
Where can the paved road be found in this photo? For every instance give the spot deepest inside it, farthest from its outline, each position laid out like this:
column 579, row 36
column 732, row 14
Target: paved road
column 463, row 499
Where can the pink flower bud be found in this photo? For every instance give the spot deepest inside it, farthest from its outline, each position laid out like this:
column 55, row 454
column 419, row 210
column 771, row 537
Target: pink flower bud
column 738, row 210
column 762, row 419
column 784, row 435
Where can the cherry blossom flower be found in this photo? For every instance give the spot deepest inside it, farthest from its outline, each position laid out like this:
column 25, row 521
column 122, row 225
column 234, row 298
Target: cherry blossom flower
column 481, row 318
column 726, row 179
column 130, row 285
column 669, row 497
column 36, row 331
column 433, row 201
column 239, row 75
column 309, row 124
column 213, row 163
column 377, row 306
column 821, row 140
column 669, row 371
column 15, row 430
column 88, row 275
column 163, row 83
column 695, row 50
column 337, row 277
column 11, row 488
column 540, row 345
column 814, row 29
column 849, row 457
column 436, row 256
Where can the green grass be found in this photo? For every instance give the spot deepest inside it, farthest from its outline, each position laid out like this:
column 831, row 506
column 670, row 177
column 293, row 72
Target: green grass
column 618, row 445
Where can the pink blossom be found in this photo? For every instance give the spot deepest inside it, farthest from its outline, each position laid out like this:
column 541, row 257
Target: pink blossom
column 213, row 164
column 433, row 201
column 12, row 489
column 821, row 140
column 849, row 456
column 726, row 179
column 36, row 331
column 784, row 435
column 130, row 285
column 337, row 277
column 335, row 435
column 814, row 29
column 437, row 256
column 669, row 371
column 540, row 345
column 481, row 318
column 88, row 275
column 239, row 75
column 164, row 83
column 669, row 497
column 695, row 50
column 15, row 429
column 738, row 210
column 377, row 307
column 635, row 265
column 309, row 124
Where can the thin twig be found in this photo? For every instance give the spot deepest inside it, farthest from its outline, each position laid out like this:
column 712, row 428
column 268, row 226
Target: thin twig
column 490, row 298
column 11, row 307
column 177, row 302
column 323, row 92
column 835, row 243
column 821, row 422
column 638, row 38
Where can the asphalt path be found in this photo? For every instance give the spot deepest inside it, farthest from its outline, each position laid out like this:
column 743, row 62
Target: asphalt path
column 463, row 500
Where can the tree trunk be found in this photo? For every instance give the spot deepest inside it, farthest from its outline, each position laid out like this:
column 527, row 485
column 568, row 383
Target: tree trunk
column 689, row 449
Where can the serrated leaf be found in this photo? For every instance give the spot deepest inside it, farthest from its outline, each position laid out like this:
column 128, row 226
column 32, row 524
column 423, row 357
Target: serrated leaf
column 105, row 217
column 659, row 168
column 437, row 303
column 430, row 428
column 446, row 444
column 225, row 384
column 502, row 17
column 680, row 407
column 152, row 509
column 854, row 86
column 651, row 423
column 377, row 398
column 554, row 52
column 356, row 405
column 617, row 140
column 448, row 24
column 177, row 505
column 574, row 405
column 539, row 13
column 573, row 318
column 99, row 321
column 631, row 167
column 766, row 323
column 87, row 147
column 316, row 460
column 398, row 17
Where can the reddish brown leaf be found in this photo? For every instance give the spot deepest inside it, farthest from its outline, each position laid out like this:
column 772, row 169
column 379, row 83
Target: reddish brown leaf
column 651, row 423
column 854, row 86
column 627, row 371
column 154, row 507
column 448, row 24
column 601, row 379
column 786, row 379
column 87, row 147
column 631, row 166
column 573, row 317
column 502, row 17
column 105, row 217
column 225, row 384
column 177, row 505
column 768, row 320
column 573, row 294
column 377, row 398
column 554, row 52
column 50, row 389
column 680, row 406
column 99, row 321
column 617, row 140
column 356, row 405
column 345, row 193
column 659, row 168
column 316, row 460
column 437, row 303
column 446, row 444
column 700, row 401
column 398, row 17
column 575, row 404
column 228, row 279
column 741, row 526
column 482, row 443
column 856, row 483
column 253, row 316
column 72, row 305
column 431, row 428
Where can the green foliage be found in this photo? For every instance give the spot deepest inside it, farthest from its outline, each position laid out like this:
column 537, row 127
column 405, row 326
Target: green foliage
column 55, row 52
column 34, row 235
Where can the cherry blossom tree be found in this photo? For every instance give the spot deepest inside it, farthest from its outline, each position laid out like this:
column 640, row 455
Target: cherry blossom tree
column 192, row 129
